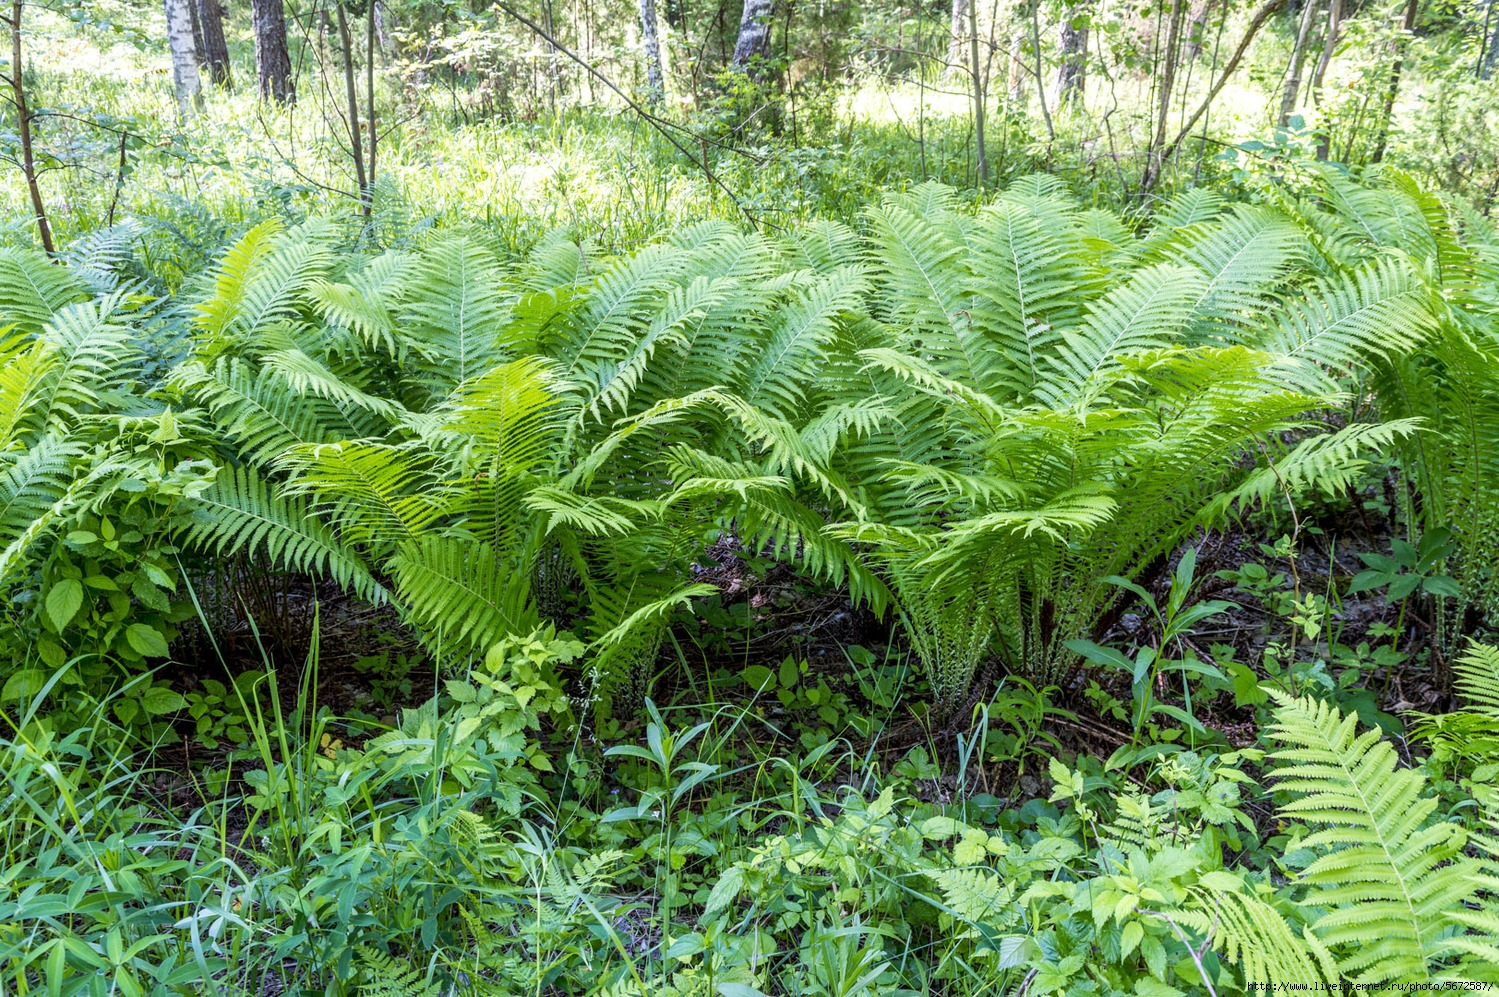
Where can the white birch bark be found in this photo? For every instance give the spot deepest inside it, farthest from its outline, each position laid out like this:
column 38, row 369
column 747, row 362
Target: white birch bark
column 185, row 77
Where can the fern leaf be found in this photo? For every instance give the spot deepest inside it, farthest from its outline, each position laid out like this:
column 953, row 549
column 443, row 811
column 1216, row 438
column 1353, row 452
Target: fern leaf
column 462, row 592
column 33, row 288
column 1386, row 874
column 241, row 512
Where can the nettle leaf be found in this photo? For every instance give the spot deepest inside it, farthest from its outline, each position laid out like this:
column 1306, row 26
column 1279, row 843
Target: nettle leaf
column 146, row 640
column 1441, row 585
column 1403, row 586
column 24, row 684
column 1370, row 579
column 126, row 710
column 159, row 700
column 64, row 599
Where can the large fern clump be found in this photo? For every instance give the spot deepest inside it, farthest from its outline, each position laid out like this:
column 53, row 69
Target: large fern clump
column 434, row 429
column 1062, row 401
column 975, row 416
column 1450, row 466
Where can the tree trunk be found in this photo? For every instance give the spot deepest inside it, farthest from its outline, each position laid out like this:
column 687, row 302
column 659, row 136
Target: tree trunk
column 1168, row 82
column 215, row 50
column 1334, row 22
column 1015, row 79
column 655, row 80
column 978, row 95
column 382, row 32
column 1197, row 30
column 1256, row 22
column 272, row 64
column 1408, row 25
column 356, row 145
column 957, row 33
column 753, row 46
column 369, row 93
column 1072, row 76
column 23, row 127
column 185, row 78
column 198, row 47
column 1298, row 59
column 1040, row 72
column 1491, row 51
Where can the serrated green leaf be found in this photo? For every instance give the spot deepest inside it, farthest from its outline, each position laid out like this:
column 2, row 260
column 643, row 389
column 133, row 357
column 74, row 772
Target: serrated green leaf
column 64, row 599
column 146, row 640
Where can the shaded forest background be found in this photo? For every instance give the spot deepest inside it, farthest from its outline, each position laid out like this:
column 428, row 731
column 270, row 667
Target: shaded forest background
column 636, row 117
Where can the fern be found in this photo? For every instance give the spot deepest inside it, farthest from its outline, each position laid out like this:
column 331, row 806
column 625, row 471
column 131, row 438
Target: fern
column 242, row 513
column 33, row 289
column 1254, row 933
column 462, row 593
column 1381, row 311
column 261, row 281
column 453, row 315
column 1477, row 679
column 1387, row 875
column 254, row 409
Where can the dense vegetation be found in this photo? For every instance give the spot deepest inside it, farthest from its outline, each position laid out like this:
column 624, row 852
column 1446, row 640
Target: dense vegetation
column 657, row 524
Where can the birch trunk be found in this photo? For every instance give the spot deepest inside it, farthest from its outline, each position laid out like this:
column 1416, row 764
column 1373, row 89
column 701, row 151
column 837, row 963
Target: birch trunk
column 753, row 45
column 185, row 78
column 1072, row 76
column 957, row 34
column 185, row 57
column 655, row 79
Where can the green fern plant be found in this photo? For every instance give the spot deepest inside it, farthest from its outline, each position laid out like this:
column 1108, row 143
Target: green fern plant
column 1058, row 408
column 1395, row 226
column 1465, row 742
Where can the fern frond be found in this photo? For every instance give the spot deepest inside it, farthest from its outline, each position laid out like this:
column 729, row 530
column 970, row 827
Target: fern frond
column 462, row 592
column 27, row 365
column 1245, row 256
column 242, row 512
column 827, row 245
column 94, row 357
column 617, row 306
column 1251, row 932
column 1386, row 874
column 653, row 612
column 1145, row 314
column 32, row 481
column 366, row 302
column 1476, row 675
column 1378, row 311
column 375, row 493
column 255, row 410
column 262, row 280
column 776, row 381
column 33, row 288
column 1028, row 281
column 305, row 375
column 1329, row 462
column 454, row 315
